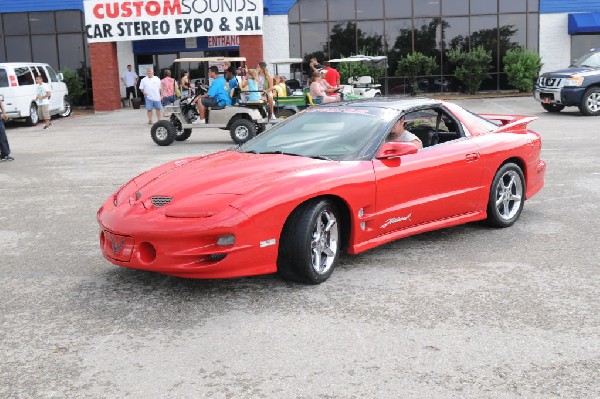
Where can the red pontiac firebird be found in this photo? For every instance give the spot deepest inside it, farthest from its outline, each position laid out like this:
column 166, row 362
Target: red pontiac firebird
column 324, row 181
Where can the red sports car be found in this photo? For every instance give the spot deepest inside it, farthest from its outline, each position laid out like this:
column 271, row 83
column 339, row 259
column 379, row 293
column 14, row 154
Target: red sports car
column 324, row 181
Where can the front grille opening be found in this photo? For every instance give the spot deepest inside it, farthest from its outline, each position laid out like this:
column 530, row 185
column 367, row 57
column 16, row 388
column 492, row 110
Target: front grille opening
column 159, row 201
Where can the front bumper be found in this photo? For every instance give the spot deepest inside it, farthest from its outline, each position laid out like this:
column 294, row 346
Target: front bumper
column 567, row 96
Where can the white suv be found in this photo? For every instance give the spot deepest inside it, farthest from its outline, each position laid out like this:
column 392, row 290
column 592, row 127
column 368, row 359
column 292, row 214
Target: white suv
column 17, row 86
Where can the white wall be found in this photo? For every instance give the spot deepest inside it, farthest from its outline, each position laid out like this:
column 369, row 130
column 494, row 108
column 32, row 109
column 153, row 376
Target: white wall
column 276, row 41
column 124, row 57
column 555, row 41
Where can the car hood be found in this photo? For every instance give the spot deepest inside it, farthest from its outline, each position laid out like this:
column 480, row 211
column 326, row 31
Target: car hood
column 226, row 172
column 569, row 72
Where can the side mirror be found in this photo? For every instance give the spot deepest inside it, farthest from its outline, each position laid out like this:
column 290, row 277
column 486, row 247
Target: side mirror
column 61, row 77
column 396, row 149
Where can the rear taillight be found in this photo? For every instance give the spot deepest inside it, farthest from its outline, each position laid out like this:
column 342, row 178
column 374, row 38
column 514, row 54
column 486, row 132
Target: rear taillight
column 13, row 80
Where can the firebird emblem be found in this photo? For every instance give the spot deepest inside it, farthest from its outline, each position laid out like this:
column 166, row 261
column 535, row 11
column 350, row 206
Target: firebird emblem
column 396, row 220
column 117, row 247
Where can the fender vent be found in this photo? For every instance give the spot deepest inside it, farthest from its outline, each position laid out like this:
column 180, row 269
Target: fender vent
column 159, row 201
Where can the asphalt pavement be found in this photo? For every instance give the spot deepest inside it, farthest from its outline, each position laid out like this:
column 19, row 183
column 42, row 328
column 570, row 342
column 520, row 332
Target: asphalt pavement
column 466, row 312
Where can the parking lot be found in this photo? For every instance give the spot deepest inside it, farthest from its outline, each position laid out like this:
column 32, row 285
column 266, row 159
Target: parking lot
column 463, row 312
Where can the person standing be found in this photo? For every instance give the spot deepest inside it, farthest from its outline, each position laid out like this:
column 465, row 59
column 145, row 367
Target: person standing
column 4, row 148
column 332, row 76
column 129, row 79
column 43, row 101
column 150, row 87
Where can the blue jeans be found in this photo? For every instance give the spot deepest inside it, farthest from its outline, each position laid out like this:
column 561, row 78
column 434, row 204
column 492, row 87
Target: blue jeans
column 4, row 148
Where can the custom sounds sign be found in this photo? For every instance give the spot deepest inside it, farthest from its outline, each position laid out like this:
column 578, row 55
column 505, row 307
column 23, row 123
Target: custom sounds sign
column 112, row 21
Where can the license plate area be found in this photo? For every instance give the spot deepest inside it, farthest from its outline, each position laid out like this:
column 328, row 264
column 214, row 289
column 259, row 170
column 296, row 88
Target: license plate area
column 116, row 246
column 547, row 97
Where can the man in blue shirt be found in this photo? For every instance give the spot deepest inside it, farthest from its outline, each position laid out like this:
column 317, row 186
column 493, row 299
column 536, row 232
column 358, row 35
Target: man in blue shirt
column 217, row 95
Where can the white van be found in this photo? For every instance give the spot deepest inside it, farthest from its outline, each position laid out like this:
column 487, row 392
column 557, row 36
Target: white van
column 17, row 86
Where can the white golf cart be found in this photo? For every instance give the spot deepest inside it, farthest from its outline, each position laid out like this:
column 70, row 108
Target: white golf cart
column 244, row 120
column 363, row 86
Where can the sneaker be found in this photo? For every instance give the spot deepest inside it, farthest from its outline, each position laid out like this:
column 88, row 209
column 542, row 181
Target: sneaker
column 7, row 158
column 199, row 121
column 46, row 127
column 273, row 118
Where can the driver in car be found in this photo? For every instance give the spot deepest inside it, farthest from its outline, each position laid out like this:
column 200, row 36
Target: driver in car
column 399, row 133
column 217, row 94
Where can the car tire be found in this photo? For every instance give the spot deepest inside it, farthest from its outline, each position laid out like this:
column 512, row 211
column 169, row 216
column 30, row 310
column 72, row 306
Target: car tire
column 507, row 196
column 163, row 133
column 242, row 130
column 68, row 108
column 310, row 243
column 553, row 107
column 180, row 133
column 33, row 117
column 590, row 103
column 285, row 113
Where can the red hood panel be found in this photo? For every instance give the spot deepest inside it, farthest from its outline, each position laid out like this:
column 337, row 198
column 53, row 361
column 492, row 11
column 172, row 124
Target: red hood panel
column 227, row 172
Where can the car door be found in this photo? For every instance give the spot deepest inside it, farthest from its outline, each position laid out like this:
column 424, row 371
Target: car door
column 59, row 89
column 437, row 182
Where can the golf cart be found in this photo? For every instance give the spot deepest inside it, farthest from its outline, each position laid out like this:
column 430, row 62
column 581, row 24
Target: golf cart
column 363, row 86
column 244, row 121
column 297, row 99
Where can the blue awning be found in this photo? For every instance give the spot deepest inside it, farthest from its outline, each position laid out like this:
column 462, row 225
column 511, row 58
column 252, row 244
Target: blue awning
column 588, row 22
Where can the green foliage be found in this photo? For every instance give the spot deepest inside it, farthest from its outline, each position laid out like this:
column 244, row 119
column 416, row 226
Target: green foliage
column 74, row 84
column 413, row 65
column 472, row 67
column 522, row 67
column 349, row 69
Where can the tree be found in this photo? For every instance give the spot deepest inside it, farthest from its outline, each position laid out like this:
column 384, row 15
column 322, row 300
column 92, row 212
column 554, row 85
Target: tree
column 74, row 84
column 522, row 67
column 413, row 65
column 472, row 67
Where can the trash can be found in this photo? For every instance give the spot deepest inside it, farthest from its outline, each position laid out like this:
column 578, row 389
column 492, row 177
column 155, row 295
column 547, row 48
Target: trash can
column 136, row 103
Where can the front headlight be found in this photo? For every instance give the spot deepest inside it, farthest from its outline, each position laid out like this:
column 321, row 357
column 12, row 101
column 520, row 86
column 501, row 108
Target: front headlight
column 574, row 82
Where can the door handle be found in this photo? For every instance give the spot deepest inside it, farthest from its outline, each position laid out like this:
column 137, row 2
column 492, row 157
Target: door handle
column 473, row 156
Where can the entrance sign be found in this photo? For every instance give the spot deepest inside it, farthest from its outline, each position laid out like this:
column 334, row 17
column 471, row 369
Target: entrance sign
column 123, row 20
column 223, row 41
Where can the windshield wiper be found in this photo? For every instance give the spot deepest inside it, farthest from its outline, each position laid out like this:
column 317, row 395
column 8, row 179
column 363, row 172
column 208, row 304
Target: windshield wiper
column 294, row 155
column 323, row 157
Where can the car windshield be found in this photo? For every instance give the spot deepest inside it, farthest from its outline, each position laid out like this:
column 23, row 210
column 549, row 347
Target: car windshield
column 336, row 133
column 591, row 59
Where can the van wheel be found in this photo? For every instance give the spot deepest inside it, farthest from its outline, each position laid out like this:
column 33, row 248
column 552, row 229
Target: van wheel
column 67, row 106
column 33, row 117
column 163, row 133
column 242, row 130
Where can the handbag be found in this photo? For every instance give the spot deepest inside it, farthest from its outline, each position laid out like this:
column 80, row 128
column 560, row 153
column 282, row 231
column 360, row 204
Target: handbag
column 176, row 87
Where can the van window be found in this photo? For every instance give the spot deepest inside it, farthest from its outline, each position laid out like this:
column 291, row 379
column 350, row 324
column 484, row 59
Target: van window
column 52, row 74
column 3, row 78
column 24, row 76
column 39, row 70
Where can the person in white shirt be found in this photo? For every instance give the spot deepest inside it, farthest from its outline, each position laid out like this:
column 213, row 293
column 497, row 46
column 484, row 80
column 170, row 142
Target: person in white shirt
column 150, row 87
column 129, row 79
column 43, row 101
column 399, row 133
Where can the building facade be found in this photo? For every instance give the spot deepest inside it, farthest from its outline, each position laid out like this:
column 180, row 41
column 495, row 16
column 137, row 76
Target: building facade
column 560, row 30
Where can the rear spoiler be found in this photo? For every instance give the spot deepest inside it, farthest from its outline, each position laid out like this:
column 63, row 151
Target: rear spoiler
column 512, row 123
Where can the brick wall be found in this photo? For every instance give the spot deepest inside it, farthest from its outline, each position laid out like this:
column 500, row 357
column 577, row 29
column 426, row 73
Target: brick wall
column 105, row 76
column 251, row 47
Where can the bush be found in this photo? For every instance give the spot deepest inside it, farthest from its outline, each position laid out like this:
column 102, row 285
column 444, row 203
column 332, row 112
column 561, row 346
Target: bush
column 413, row 65
column 349, row 69
column 472, row 67
column 74, row 84
column 522, row 67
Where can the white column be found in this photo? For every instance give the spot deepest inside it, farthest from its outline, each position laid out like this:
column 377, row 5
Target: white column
column 276, row 41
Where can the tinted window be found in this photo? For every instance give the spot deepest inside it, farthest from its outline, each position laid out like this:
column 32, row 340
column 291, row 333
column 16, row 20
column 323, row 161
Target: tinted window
column 40, row 71
column 52, row 74
column 44, row 49
column 398, row 8
column 24, row 76
column 340, row 10
column 369, row 9
column 313, row 10
column 455, row 7
column 41, row 22
column 18, row 48
column 3, row 78
column 484, row 6
column 68, row 21
column 16, row 23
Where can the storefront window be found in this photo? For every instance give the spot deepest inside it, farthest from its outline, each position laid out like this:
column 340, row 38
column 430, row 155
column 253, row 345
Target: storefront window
column 70, row 50
column 484, row 6
column 369, row 9
column 41, row 22
column 512, row 6
column 455, row 33
column 342, row 39
column 340, row 10
column 314, row 38
column 294, row 14
column 16, row 23
column 513, row 30
column 429, row 8
column 398, row 8
column 370, row 37
column 44, row 49
column 313, row 10
column 68, row 21
column 455, row 7
column 18, row 48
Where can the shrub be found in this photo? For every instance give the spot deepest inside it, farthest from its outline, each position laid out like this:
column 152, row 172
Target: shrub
column 349, row 69
column 472, row 67
column 522, row 67
column 74, row 84
column 413, row 65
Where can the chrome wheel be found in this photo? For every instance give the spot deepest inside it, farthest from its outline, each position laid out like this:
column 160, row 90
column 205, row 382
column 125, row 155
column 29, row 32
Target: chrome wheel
column 324, row 244
column 592, row 102
column 67, row 107
column 242, row 133
column 509, row 195
column 162, row 133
